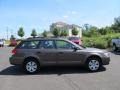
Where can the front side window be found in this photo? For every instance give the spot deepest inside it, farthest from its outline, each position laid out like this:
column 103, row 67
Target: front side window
column 29, row 45
column 47, row 44
column 61, row 44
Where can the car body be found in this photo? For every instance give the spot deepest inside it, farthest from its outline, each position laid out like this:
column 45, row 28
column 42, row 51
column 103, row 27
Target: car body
column 55, row 52
column 1, row 43
column 13, row 42
column 75, row 40
column 115, row 44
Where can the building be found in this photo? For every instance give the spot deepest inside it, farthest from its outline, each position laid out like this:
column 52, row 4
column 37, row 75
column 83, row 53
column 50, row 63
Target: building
column 65, row 26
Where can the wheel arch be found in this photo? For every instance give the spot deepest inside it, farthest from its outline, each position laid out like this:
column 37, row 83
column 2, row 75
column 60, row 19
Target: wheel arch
column 96, row 56
column 31, row 57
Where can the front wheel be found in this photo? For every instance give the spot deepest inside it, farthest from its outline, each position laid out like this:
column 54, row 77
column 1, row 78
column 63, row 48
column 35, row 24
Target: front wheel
column 93, row 64
column 31, row 66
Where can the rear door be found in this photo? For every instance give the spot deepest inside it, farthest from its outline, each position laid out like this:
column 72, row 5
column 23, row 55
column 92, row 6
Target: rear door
column 47, row 52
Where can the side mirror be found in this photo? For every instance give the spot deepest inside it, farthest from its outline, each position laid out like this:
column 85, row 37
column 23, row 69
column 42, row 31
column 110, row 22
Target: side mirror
column 75, row 48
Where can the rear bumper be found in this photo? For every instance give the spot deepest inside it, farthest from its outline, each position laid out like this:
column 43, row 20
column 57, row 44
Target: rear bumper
column 16, row 61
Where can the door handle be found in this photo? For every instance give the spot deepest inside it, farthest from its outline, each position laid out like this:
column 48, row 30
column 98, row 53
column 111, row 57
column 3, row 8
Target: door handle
column 60, row 52
column 38, row 52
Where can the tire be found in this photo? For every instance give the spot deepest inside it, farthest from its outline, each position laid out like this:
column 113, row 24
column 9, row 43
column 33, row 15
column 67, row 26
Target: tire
column 93, row 64
column 31, row 66
column 115, row 48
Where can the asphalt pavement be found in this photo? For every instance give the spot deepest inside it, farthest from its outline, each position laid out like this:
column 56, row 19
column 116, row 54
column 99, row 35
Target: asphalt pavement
column 59, row 78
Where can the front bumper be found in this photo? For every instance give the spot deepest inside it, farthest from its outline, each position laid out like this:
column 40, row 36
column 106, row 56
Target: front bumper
column 106, row 60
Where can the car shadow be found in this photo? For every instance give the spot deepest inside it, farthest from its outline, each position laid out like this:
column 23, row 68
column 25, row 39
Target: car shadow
column 17, row 71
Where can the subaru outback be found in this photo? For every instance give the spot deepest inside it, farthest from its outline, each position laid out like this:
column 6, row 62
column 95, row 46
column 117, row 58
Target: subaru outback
column 34, row 53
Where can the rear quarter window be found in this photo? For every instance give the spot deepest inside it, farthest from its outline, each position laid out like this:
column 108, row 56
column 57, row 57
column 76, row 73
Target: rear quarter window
column 28, row 45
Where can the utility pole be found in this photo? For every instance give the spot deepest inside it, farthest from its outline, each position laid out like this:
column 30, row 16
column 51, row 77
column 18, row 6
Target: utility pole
column 11, row 31
column 7, row 32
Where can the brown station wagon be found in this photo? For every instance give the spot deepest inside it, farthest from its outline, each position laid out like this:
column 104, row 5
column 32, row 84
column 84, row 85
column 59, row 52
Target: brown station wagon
column 34, row 53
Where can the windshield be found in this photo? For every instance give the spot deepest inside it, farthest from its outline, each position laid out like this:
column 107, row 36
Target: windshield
column 77, row 45
column 80, row 46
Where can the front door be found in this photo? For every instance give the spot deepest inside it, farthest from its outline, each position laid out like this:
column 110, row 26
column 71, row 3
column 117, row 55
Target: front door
column 66, row 54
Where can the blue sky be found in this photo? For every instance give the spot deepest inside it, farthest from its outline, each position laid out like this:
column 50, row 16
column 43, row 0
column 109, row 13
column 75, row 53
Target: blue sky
column 39, row 14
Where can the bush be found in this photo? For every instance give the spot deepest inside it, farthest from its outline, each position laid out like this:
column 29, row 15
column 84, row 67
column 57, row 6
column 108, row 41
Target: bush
column 102, row 42
column 95, row 42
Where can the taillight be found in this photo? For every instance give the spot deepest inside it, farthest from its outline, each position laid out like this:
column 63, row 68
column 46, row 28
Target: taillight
column 14, row 51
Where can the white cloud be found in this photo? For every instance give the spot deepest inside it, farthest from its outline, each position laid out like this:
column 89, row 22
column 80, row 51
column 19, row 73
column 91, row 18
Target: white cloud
column 73, row 12
column 65, row 16
column 69, row 14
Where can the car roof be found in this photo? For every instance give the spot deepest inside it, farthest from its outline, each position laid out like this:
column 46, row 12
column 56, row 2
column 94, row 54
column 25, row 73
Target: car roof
column 44, row 38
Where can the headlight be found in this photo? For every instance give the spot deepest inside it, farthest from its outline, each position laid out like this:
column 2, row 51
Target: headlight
column 107, row 54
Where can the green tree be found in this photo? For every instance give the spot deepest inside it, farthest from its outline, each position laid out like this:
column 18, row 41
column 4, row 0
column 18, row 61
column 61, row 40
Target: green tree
column 12, row 37
column 64, row 33
column 44, row 33
column 34, row 33
column 116, row 25
column 105, row 30
column 21, row 32
column 93, row 31
column 86, row 27
column 109, row 30
column 56, row 32
column 86, row 30
column 90, row 31
column 74, row 31
column 102, row 31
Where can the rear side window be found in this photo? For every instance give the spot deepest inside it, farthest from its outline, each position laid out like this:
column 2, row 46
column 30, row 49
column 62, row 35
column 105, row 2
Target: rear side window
column 47, row 44
column 29, row 45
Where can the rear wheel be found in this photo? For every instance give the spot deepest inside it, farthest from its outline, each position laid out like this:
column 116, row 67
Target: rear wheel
column 31, row 66
column 93, row 64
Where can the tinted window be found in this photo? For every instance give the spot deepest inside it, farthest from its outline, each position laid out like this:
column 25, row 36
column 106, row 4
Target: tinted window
column 74, row 38
column 64, row 45
column 47, row 44
column 29, row 45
